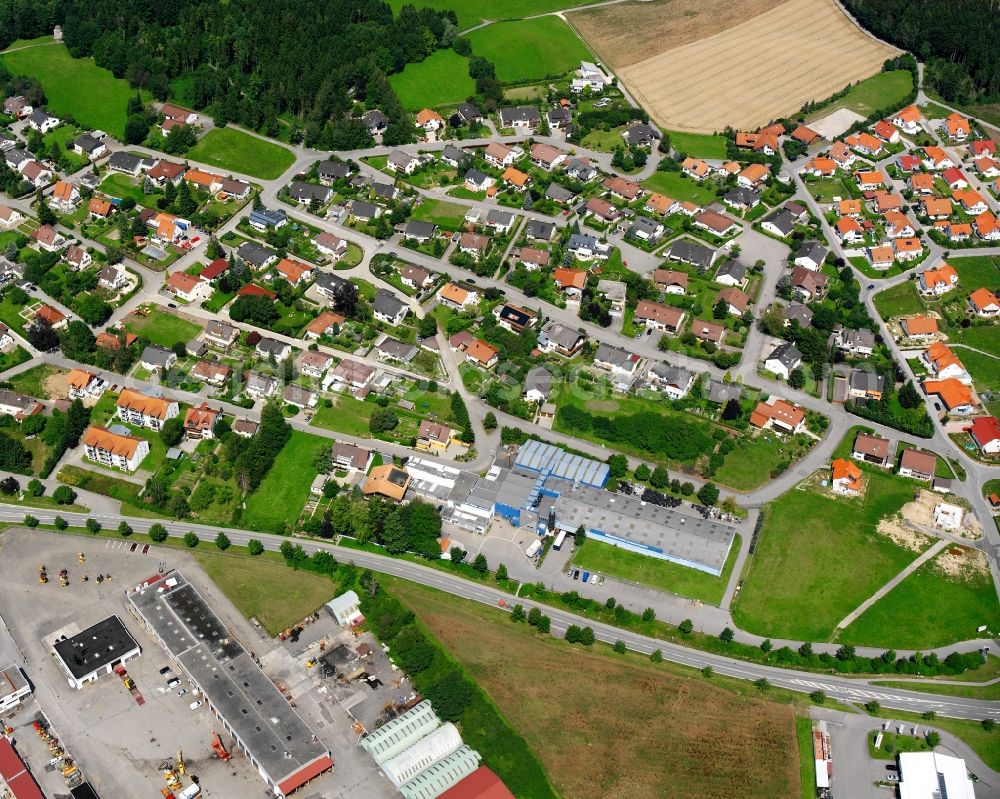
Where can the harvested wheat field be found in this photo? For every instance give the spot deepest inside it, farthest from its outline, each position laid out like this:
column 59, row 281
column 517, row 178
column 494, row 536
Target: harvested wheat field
column 744, row 76
column 608, row 726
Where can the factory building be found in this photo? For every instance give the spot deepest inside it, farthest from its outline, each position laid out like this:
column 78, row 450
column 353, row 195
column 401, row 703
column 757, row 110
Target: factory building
column 95, row 651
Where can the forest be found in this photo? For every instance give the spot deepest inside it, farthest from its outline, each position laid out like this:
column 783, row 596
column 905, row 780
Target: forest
column 260, row 64
column 958, row 40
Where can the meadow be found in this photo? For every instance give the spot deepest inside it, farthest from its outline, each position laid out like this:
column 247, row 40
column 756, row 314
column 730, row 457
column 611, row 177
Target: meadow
column 440, row 79
column 530, row 49
column 232, row 149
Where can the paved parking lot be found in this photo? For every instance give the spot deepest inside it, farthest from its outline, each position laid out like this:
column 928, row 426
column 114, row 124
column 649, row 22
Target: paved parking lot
column 118, row 744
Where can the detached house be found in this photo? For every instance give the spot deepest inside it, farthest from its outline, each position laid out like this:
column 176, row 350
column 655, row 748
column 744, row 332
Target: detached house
column 189, row 288
column 199, row 423
column 870, row 449
column 657, row 316
column 917, row 464
column 388, row 308
column 783, row 360
column 778, row 415
column 559, row 339
column 846, row 477
column 939, row 280
column 621, row 364
column 984, row 303
column 400, row 161
column 547, row 157
column 907, row 119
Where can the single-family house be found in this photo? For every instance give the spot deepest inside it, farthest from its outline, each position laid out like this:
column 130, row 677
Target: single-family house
column 917, row 464
column 985, row 432
column 189, row 288
column 783, row 360
column 199, row 423
column 871, row 449
column 846, row 477
column 559, row 339
column 779, row 415
column 657, row 316
column 984, row 303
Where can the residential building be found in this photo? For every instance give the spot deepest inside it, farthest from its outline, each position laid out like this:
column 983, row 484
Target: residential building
column 866, row 385
column 856, row 343
column 141, row 410
column 942, row 362
column 984, row 303
column 117, row 450
column 736, row 301
column 783, row 360
column 350, row 374
column 731, row 273
column 919, row 326
column 154, row 358
column 522, row 117
column 256, row 256
column 779, row 415
column 77, row 258
column 300, row 397
column 955, row 395
column 780, row 222
column 708, row 331
column 434, row 437
column 268, row 348
column 189, row 288
column 415, row 277
column 871, row 449
column 314, row 363
column 621, row 364
column 388, row 308
column 199, row 423
column 220, row 335
column 985, row 432
column 917, row 464
column 390, row 349
column 560, row 339
column 657, row 316
column 846, row 477
column 264, row 219
column 615, row 292
column 260, row 386
column 670, row 282
column 326, row 324
column 479, row 353
column 514, row 318
column 690, row 252
column 84, row 385
column 537, row 385
column 674, row 381
column 451, row 295
column 211, row 372
column 808, row 284
column 938, row 281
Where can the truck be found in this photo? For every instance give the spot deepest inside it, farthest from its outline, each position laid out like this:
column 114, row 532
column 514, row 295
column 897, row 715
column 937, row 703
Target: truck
column 560, row 537
column 534, row 548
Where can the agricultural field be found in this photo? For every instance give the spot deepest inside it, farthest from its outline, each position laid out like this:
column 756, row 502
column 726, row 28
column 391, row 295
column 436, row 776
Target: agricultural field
column 660, row 574
column 232, row 149
column 440, row 79
column 900, row 300
column 75, row 86
column 871, row 94
column 818, row 558
column 531, row 49
column 943, row 602
column 265, row 588
column 625, row 728
column 767, row 66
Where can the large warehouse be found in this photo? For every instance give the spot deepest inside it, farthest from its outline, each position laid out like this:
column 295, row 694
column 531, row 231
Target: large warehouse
column 274, row 738
column 538, row 457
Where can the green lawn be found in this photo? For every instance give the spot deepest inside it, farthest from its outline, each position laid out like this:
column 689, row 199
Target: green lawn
column 75, row 86
column 604, row 141
column 928, row 609
column 985, row 369
column 699, row 145
column 348, row 415
column 122, row 186
column 32, row 382
column 472, row 12
column 449, row 216
column 879, row 91
column 977, row 271
column 232, row 149
column 265, row 588
column 899, row 301
column 750, row 464
column 163, row 328
column 545, row 47
column 807, row 763
column 680, row 187
column 984, row 337
column 15, row 357
column 440, row 79
column 660, row 574
column 818, row 558
column 279, row 499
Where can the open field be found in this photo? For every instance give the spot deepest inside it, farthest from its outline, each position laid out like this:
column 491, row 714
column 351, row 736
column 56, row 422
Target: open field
column 229, row 148
column 265, row 588
column 472, row 12
column 871, row 94
column 983, row 338
column 818, row 558
column 744, row 76
column 929, row 609
column 440, row 79
column 625, row 727
column 985, row 369
column 899, row 300
column 75, row 86
column 442, row 213
column 163, row 328
column 699, row 145
column 661, row 574
column 530, row 49
column 279, row 499
column 680, row 187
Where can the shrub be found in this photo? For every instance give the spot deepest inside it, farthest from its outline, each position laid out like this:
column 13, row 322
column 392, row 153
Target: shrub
column 158, row 533
column 30, row 521
column 191, row 539
column 60, row 523
column 93, row 526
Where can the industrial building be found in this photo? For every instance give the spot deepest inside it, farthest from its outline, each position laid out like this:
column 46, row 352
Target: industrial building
column 930, row 775
column 14, row 686
column 421, row 756
column 278, row 743
column 87, row 655
column 538, row 457
column 15, row 778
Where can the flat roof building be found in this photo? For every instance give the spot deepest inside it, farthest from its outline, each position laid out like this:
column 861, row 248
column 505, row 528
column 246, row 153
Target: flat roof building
column 95, row 651
column 538, row 456
column 930, row 775
column 14, row 686
column 281, row 746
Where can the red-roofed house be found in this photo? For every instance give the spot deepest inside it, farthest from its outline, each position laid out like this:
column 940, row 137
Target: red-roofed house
column 846, row 477
column 190, row 288
column 984, row 303
column 214, row 269
column 985, row 431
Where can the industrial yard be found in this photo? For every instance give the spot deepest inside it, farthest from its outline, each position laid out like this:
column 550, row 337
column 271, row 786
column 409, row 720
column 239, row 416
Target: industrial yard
column 124, row 740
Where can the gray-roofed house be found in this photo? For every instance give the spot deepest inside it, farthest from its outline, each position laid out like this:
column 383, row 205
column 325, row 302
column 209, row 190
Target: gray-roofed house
column 263, row 219
column 89, row 146
column 400, row 161
column 741, row 198
column 783, row 359
column 620, row 363
column 558, row 118
column 305, row 193
column 674, row 381
column 220, row 335
column 720, row 393
column 559, row 193
column 478, row 181
column 383, row 191
column 388, row 308
column 375, row 121
column 419, row 230
column 365, row 212
column 500, row 221
column 780, row 222
column 797, row 312
column 856, row 343
column 587, row 247
column 126, row 163
column 260, row 386
column 329, row 171
column 257, row 256
column 810, row 255
column 272, row 348
column 690, row 252
column 329, row 285
column 646, row 229
column 522, row 116
column 538, row 230
column 581, row 169
column 641, row 134
column 154, row 357
column 558, row 338
column 470, row 112
column 865, row 384
column 455, row 156
column 537, row 384
column 731, row 273
column 42, row 121
column 391, row 349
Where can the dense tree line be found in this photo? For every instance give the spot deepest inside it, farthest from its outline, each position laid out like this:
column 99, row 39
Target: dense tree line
column 257, row 457
column 958, row 41
column 250, row 62
column 645, row 431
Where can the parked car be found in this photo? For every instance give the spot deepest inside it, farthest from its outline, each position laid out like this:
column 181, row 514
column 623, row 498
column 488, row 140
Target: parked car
column 195, row 705
column 173, row 682
column 165, row 670
column 182, row 692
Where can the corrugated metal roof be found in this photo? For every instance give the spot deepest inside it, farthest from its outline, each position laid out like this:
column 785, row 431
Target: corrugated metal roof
column 539, row 456
column 438, row 778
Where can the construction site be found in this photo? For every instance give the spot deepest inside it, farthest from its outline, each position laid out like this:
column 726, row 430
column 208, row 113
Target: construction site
column 124, row 707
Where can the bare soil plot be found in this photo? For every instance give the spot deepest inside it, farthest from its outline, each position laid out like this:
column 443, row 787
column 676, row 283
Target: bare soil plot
column 746, row 75
column 610, row 728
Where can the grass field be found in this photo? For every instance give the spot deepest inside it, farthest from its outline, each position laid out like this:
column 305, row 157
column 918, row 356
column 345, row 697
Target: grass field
column 75, row 86
column 265, row 588
column 118, row 185
column 680, row 187
column 699, row 145
column 472, row 12
column 441, row 212
column 32, row 381
column 978, row 270
column 807, row 765
column 751, row 463
column 985, row 369
column 231, row 149
column 869, row 95
column 279, row 499
column 545, row 47
column 163, row 328
column 661, row 574
column 747, row 75
column 818, row 558
column 928, row 609
column 983, row 338
column 624, row 728
column 440, row 79
column 899, row 300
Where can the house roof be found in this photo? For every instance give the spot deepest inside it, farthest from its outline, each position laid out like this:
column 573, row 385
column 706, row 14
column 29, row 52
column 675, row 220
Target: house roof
column 985, row 429
column 659, row 313
column 214, row 269
column 454, row 293
column 200, row 418
column 872, row 445
column 80, row 379
column 779, row 410
column 920, row 325
column 846, row 470
column 515, row 176
column 708, row 331
column 570, row 278
column 983, row 298
column 945, row 273
column 951, row 391
column 292, row 271
column 669, row 277
column 480, row 351
column 428, row 115
column 622, row 187
column 805, row 135
column 324, row 321
column 918, row 461
column 49, row 314
column 115, row 443
column 498, row 151
column 388, row 480
column 714, row 221
column 787, row 354
column 182, row 282
column 733, row 296
column 156, row 407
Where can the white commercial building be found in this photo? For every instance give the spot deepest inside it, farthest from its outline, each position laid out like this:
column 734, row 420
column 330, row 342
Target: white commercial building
column 929, row 775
